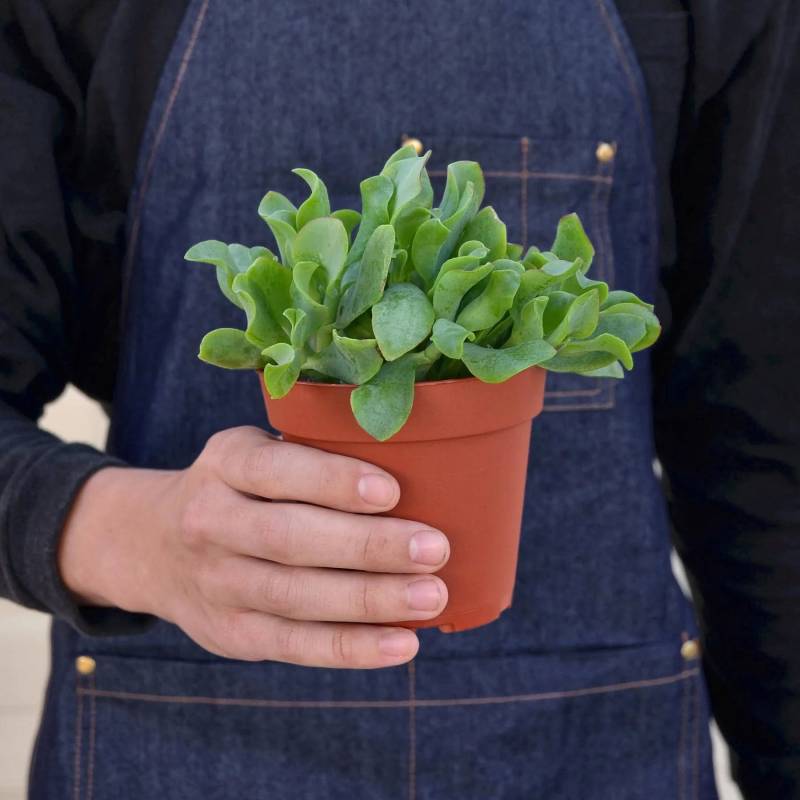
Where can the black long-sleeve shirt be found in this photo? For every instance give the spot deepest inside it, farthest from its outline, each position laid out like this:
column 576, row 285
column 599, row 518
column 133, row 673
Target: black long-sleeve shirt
column 76, row 81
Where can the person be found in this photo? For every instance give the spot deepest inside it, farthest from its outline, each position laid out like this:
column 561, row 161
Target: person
column 188, row 610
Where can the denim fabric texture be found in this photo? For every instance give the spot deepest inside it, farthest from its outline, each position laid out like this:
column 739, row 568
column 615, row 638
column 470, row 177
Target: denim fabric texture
column 579, row 690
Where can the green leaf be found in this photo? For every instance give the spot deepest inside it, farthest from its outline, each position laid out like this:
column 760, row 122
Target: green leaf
column 400, row 270
column 305, row 293
column 643, row 312
column 496, row 366
column 473, row 248
column 486, row 227
column 620, row 296
column 591, row 354
column 412, row 188
column 579, row 320
column 452, row 287
column 229, row 260
column 529, row 321
column 348, row 217
column 382, row 405
column 348, row 360
column 628, row 327
column 376, row 192
column 493, row 302
column 513, row 251
column 317, row 204
column 407, row 223
column 571, row 241
column 613, row 370
column 579, row 284
column 281, row 376
column 230, row 349
column 281, row 216
column 467, row 262
column 459, row 175
column 428, row 242
column 401, row 320
column 449, row 338
column 370, row 281
column 325, row 241
column 263, row 292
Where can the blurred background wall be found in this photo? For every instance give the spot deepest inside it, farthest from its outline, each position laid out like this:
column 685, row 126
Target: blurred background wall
column 24, row 634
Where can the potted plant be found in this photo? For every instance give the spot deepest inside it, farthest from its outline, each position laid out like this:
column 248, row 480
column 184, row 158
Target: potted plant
column 418, row 338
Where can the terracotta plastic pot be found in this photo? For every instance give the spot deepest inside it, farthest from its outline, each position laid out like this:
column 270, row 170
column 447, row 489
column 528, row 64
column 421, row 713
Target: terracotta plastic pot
column 461, row 461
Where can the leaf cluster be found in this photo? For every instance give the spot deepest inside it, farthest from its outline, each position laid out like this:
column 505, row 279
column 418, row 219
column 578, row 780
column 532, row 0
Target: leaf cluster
column 403, row 291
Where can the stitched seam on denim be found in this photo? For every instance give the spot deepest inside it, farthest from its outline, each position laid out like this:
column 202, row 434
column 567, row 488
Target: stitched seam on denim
column 582, row 406
column 511, row 174
column 575, row 393
column 643, row 131
column 696, row 742
column 92, row 737
column 412, row 730
column 524, row 143
column 76, row 783
column 154, row 150
column 682, row 741
column 398, row 704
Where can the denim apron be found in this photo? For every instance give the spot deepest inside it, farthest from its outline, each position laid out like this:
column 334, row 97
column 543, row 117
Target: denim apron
column 580, row 690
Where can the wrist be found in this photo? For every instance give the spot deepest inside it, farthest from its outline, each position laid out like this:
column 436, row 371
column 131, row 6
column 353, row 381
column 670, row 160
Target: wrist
column 110, row 546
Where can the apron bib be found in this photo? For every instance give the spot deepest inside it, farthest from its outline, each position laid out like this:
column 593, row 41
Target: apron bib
column 579, row 690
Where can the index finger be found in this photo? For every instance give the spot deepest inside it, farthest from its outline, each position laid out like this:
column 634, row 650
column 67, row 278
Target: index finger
column 255, row 463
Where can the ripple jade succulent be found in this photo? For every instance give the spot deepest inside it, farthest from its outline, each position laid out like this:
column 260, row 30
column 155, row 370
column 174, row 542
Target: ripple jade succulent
column 404, row 291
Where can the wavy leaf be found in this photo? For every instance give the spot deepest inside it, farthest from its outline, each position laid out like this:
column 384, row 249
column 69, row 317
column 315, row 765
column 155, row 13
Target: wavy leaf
column 370, row 281
column 376, row 192
column 449, row 338
column 401, row 319
column 348, row 360
column 496, row 366
column 263, row 292
column 571, row 241
column 493, row 302
column 317, row 204
column 383, row 404
column 487, row 228
column 325, row 241
column 452, row 287
column 230, row 349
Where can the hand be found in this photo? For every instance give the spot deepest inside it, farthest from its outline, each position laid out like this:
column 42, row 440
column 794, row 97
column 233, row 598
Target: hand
column 296, row 579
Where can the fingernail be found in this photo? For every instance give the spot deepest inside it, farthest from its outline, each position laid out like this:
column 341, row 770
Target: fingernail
column 397, row 643
column 424, row 595
column 376, row 490
column 428, row 547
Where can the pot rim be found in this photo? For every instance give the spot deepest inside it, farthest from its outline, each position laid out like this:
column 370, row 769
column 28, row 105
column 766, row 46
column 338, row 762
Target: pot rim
column 462, row 407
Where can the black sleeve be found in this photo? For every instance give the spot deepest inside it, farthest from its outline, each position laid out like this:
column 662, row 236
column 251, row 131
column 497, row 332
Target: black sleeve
column 727, row 399
column 65, row 173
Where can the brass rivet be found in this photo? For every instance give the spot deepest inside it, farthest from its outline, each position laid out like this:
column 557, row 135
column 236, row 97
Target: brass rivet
column 85, row 665
column 415, row 143
column 605, row 152
column 690, row 650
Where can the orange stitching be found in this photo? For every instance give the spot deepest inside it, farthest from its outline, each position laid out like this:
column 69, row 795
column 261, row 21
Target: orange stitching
column 353, row 704
column 412, row 730
column 682, row 742
column 92, row 730
column 564, row 176
column 523, row 191
column 575, row 392
column 696, row 745
column 583, row 407
column 76, row 786
column 151, row 158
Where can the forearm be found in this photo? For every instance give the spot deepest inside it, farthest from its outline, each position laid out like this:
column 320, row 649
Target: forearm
column 106, row 550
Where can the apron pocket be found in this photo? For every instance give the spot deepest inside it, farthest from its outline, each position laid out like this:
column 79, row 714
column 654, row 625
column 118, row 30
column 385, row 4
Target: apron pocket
column 532, row 183
column 183, row 730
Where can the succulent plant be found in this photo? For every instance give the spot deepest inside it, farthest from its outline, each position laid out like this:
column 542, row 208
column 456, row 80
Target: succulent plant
column 404, row 291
